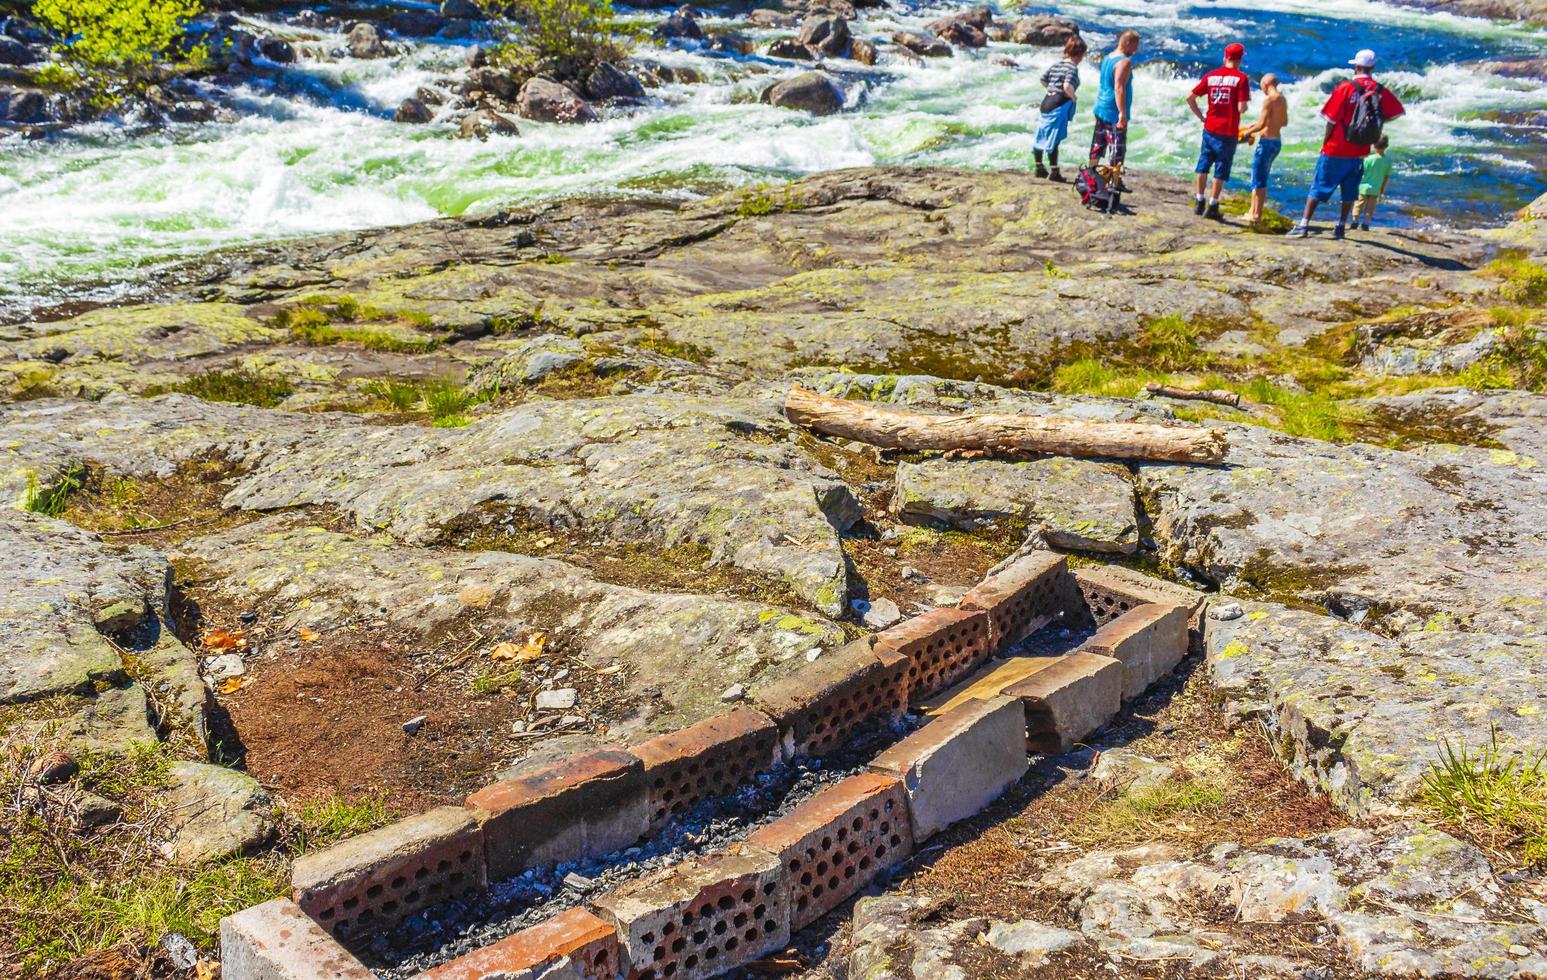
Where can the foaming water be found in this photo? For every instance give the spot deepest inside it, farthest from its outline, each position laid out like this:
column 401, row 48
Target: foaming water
column 82, row 214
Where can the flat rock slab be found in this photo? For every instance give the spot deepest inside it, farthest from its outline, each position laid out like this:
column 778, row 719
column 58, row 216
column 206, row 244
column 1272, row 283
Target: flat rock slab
column 1401, row 900
column 1366, row 715
column 687, row 647
column 1515, row 420
column 214, row 812
column 1073, row 503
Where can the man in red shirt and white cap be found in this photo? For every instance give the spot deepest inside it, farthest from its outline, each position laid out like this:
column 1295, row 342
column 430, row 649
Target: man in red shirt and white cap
column 1355, row 114
column 1229, row 92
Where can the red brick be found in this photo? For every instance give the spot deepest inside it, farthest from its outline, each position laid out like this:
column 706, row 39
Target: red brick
column 1111, row 590
column 359, row 887
column 1148, row 640
column 942, row 646
column 1022, row 599
column 585, row 806
column 704, row 761
column 703, row 917
column 821, row 705
column 588, row 944
column 835, row 843
column 277, row 941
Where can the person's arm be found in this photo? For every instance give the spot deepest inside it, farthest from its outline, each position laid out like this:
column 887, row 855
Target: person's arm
column 1071, row 91
column 1192, row 103
column 1120, row 81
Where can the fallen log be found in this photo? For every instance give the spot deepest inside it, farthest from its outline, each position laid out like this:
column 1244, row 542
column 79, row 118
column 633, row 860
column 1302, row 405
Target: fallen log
column 892, row 429
column 1218, row 396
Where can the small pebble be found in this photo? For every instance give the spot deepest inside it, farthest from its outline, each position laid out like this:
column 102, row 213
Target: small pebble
column 412, row 725
column 1519, row 950
column 560, row 700
column 812, row 654
column 1227, row 612
column 733, row 693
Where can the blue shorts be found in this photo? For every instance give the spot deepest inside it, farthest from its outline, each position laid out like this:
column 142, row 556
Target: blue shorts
column 1262, row 162
column 1337, row 173
column 1218, row 152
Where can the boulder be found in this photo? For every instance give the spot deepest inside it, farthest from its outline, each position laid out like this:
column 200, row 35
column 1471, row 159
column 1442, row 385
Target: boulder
column 732, row 42
column 763, row 17
column 922, row 44
column 863, row 51
column 485, row 123
column 959, row 33
column 413, row 111
column 788, row 47
column 812, row 91
column 462, row 10
column 23, row 106
column 277, row 50
column 827, row 34
column 682, row 25
column 495, row 81
column 14, row 52
column 1044, row 30
column 415, row 23
column 842, row 8
column 545, row 100
column 365, row 42
column 608, row 81
column 430, row 96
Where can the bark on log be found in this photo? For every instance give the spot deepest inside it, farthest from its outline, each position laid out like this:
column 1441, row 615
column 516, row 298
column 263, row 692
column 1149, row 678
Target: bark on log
column 892, row 429
column 1218, row 396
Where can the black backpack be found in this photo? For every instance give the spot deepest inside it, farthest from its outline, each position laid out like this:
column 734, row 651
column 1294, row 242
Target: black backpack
column 1365, row 125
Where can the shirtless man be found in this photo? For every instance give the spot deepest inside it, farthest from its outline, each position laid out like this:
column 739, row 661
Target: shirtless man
column 1266, row 131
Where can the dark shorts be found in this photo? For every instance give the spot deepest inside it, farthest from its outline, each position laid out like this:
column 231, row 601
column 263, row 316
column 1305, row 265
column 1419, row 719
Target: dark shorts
column 1218, row 152
column 1262, row 162
column 1337, row 174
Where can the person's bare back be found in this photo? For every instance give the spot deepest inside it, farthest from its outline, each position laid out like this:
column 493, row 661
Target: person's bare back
column 1275, row 114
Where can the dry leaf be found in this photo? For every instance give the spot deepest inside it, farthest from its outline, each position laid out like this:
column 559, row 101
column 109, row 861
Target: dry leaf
column 205, row 970
column 310, row 636
column 544, row 543
column 521, row 653
column 605, row 671
column 224, row 640
column 230, row 685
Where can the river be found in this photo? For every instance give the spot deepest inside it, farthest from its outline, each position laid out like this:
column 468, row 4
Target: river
column 87, row 215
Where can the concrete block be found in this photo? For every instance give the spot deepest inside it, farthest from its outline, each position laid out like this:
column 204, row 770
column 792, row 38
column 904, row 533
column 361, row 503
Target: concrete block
column 819, row 706
column 368, row 883
column 942, row 647
column 1148, row 640
column 573, row 945
column 701, row 918
column 1068, row 700
column 704, row 761
column 1111, row 590
column 588, row 805
column 835, row 843
column 959, row 763
column 1022, row 598
column 278, row 941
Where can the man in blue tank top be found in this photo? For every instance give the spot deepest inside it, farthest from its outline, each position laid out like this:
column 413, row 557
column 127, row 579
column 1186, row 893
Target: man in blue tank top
column 1115, row 102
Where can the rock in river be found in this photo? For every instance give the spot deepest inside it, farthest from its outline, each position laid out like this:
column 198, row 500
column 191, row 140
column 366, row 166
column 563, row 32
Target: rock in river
column 812, row 91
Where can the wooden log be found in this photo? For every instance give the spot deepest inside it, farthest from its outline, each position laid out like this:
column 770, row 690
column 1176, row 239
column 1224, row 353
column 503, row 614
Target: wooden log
column 1218, row 396
column 892, row 429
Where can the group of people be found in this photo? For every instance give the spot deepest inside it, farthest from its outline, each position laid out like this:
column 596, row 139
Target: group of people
column 1353, row 162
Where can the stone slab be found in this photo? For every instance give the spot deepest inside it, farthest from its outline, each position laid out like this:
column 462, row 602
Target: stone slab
column 1148, row 640
column 1068, row 700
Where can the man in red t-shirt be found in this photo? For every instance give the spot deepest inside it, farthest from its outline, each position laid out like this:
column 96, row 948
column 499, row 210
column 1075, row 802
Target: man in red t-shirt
column 1342, row 161
column 1228, row 92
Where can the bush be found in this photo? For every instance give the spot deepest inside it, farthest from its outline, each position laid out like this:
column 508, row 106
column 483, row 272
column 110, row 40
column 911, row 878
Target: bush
column 113, row 45
column 564, row 39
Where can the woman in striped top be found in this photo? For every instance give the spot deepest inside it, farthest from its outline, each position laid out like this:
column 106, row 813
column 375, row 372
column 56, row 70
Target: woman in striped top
column 1062, row 81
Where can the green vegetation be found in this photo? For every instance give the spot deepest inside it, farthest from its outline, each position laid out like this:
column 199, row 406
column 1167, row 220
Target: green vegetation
column 331, row 819
column 50, row 501
column 1498, row 795
column 658, row 341
column 1272, row 222
column 496, row 679
column 113, row 46
column 67, row 893
column 1524, row 281
column 764, row 200
column 316, row 321
column 240, row 385
column 446, row 401
column 563, row 39
column 1137, row 814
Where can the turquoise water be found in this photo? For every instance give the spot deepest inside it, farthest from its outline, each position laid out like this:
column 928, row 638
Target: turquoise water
column 88, row 215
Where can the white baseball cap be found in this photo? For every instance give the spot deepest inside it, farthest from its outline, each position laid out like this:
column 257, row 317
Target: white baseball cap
column 1364, row 59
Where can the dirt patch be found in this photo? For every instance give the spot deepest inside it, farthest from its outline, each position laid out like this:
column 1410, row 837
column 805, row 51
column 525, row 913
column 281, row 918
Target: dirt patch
column 154, row 512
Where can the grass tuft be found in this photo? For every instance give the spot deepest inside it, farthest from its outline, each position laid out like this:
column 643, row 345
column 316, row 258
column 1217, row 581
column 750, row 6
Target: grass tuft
column 241, row 386
column 1496, row 794
column 50, row 501
column 329, row 820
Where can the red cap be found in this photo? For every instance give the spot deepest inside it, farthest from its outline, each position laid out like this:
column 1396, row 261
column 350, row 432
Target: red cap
column 1235, row 51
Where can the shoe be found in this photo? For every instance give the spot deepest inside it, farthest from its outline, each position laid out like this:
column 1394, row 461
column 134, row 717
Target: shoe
column 1198, row 205
column 1055, row 175
column 1212, row 213
column 1339, row 233
column 1299, row 231
column 1122, row 188
column 1041, row 170
column 1365, row 226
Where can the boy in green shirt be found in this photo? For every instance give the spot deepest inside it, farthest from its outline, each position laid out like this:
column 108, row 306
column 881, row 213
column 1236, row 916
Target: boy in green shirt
column 1372, row 186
